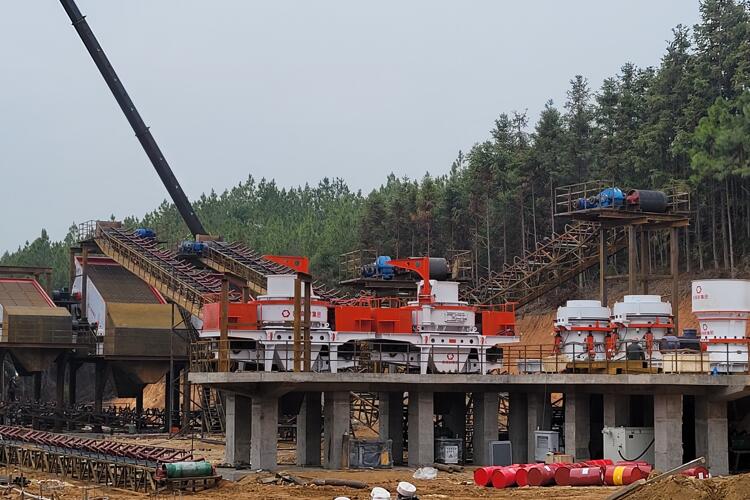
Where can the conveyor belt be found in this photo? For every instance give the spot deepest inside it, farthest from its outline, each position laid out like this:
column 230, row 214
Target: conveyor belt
column 237, row 259
column 178, row 281
column 553, row 262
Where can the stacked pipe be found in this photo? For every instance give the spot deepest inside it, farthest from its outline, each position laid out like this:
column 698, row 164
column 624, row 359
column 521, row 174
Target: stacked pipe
column 588, row 473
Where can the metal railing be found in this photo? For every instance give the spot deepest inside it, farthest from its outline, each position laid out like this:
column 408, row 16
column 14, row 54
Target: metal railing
column 386, row 357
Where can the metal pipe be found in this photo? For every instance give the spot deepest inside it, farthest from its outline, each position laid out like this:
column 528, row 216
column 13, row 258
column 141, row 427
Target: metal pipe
column 134, row 118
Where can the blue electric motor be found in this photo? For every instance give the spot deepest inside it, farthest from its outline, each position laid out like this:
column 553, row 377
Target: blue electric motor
column 384, row 268
column 611, row 198
column 145, row 232
column 189, row 247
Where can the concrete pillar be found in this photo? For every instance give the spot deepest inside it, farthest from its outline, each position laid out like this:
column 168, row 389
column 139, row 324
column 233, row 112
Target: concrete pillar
column 667, row 431
column 421, row 428
column 309, row 430
column 238, row 415
column 485, row 425
column 616, row 410
column 391, row 422
column 264, row 429
column 712, row 434
column 577, row 425
column 518, row 427
column 336, row 412
column 539, row 417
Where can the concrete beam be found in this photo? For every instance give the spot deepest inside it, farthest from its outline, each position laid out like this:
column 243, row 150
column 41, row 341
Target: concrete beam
column 252, row 383
column 668, row 431
column 485, row 425
column 264, row 432
column 309, row 430
column 336, row 411
column 421, row 429
column 712, row 434
column 616, row 410
column 577, row 425
column 518, row 426
column 391, row 422
column 238, row 411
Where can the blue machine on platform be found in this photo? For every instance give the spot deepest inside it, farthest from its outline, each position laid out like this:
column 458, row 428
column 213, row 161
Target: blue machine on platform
column 381, row 268
column 189, row 247
column 145, row 232
column 612, row 197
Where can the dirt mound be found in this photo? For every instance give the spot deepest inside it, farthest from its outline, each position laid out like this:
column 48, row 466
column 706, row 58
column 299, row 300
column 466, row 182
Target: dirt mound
column 690, row 488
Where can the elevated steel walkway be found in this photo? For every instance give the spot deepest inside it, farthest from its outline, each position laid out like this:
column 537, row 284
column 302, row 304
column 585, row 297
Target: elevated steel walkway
column 555, row 260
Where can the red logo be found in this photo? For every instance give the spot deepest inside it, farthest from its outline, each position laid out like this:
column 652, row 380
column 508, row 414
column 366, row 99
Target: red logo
column 286, row 313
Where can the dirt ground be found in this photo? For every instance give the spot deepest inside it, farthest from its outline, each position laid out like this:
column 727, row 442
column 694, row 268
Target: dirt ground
column 446, row 486
column 457, row 486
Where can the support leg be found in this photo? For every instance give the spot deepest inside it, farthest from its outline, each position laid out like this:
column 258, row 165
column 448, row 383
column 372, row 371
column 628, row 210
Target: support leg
column 711, row 434
column 390, row 422
column 667, row 431
column 421, row 429
column 485, row 425
column 616, row 410
column 337, row 414
column 518, row 418
column 309, row 430
column 264, row 432
column 238, row 429
column 577, row 425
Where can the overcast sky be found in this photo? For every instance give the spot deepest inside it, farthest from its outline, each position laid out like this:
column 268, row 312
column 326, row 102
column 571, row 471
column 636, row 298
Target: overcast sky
column 290, row 90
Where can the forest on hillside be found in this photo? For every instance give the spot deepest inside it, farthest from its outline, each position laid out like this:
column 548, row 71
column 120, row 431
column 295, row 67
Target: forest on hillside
column 686, row 121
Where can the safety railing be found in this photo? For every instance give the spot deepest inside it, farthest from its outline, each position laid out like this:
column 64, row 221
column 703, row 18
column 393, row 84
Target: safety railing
column 636, row 357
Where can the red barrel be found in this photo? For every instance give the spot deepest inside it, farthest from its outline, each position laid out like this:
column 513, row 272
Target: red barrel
column 562, row 475
column 598, row 463
column 585, row 476
column 542, row 475
column 504, row 477
column 700, row 472
column 522, row 476
column 483, row 475
column 620, row 475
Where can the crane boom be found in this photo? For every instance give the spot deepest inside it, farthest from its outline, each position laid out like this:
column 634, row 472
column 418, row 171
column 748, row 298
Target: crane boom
column 134, row 118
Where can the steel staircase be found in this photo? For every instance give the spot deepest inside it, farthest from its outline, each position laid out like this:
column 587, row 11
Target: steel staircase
column 555, row 260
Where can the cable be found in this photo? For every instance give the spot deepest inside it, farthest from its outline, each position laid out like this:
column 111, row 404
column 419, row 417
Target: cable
column 639, row 456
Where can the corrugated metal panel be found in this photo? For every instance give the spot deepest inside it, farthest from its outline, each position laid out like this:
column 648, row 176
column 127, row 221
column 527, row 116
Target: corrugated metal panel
column 26, row 324
column 142, row 330
column 118, row 285
column 21, row 292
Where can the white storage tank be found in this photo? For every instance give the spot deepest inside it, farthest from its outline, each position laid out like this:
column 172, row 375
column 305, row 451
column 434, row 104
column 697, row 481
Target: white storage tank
column 582, row 327
column 722, row 307
column 640, row 322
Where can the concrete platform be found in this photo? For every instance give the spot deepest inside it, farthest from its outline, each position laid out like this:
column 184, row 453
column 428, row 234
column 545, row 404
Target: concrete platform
column 719, row 387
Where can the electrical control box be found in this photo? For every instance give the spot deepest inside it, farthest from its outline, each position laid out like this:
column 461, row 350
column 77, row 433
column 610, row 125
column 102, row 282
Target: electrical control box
column 545, row 442
column 629, row 443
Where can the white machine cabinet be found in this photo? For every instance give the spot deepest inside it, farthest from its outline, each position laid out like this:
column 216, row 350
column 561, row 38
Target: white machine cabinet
column 629, row 443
